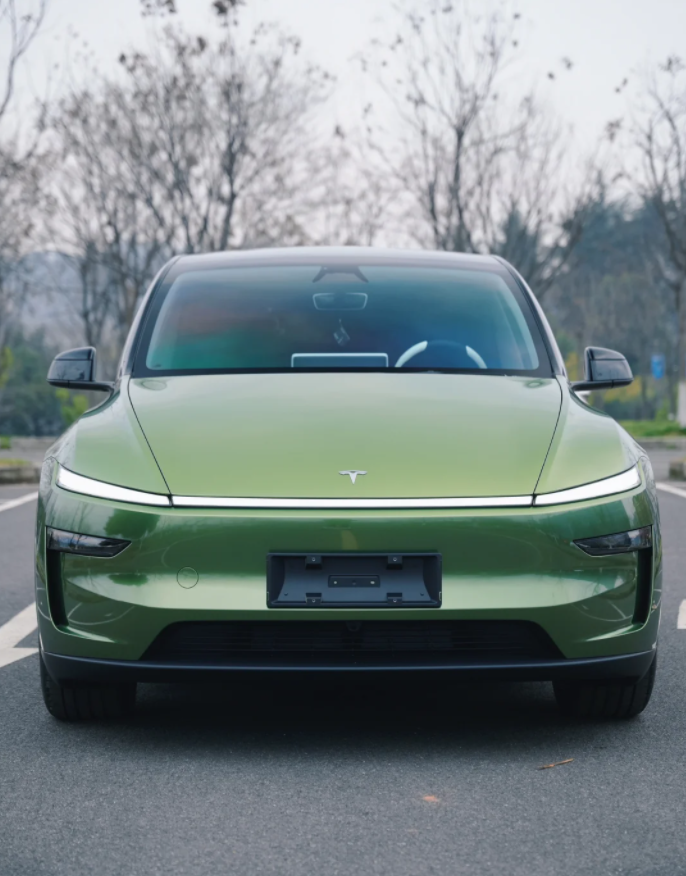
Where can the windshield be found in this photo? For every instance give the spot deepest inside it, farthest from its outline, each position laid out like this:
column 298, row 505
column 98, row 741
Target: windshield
column 359, row 317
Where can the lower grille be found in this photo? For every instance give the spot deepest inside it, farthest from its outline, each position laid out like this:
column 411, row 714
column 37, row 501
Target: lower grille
column 355, row 642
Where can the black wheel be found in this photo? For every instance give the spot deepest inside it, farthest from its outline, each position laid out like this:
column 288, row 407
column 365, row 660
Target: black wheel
column 597, row 699
column 86, row 702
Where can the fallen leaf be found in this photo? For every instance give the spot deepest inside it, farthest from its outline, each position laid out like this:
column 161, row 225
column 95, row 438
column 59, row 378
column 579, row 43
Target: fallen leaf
column 549, row 766
column 431, row 799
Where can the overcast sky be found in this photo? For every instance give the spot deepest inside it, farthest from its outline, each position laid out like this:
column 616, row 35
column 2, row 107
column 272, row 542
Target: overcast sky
column 607, row 40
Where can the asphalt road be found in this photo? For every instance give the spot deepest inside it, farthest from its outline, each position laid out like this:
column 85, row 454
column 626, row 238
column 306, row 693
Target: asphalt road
column 341, row 776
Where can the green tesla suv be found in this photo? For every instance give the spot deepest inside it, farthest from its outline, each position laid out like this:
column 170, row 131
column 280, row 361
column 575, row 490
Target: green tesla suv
column 345, row 459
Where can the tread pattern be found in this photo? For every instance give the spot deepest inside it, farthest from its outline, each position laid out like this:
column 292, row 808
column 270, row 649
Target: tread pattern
column 618, row 700
column 86, row 702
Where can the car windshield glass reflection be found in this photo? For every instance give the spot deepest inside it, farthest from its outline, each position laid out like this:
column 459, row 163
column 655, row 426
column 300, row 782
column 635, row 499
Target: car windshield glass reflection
column 352, row 317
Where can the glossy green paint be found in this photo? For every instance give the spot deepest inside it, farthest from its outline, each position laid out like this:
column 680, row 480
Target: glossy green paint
column 588, row 446
column 290, row 435
column 519, row 564
column 108, row 444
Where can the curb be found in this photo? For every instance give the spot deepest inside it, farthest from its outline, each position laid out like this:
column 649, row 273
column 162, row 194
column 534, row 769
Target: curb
column 20, row 474
column 677, row 470
column 674, row 442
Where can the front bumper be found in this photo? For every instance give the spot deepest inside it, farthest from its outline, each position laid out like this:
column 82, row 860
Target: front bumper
column 627, row 667
column 498, row 564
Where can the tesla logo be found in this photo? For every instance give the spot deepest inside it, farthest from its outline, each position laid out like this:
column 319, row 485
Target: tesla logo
column 353, row 474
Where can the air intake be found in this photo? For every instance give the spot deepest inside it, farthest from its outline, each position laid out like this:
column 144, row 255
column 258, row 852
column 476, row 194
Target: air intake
column 322, row 643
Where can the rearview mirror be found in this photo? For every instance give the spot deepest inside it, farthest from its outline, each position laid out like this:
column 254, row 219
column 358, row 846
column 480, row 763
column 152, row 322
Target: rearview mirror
column 603, row 369
column 75, row 369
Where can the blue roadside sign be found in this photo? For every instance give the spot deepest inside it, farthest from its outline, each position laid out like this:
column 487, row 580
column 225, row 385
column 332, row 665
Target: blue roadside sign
column 657, row 365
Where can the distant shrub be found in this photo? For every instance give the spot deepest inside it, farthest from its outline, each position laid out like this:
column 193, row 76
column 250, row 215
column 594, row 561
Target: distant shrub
column 71, row 406
column 652, row 428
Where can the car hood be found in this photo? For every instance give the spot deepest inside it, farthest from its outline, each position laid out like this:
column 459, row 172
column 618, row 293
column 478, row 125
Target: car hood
column 290, row 435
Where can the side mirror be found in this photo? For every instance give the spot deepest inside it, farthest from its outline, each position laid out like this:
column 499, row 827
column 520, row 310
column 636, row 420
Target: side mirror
column 75, row 369
column 604, row 369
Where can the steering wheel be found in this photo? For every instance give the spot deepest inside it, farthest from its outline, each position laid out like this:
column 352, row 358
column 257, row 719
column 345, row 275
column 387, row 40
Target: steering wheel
column 441, row 354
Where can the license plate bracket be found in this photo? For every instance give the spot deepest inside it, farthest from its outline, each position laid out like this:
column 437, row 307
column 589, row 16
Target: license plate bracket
column 354, row 580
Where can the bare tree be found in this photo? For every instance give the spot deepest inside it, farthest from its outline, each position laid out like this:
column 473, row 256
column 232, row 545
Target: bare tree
column 19, row 169
column 661, row 137
column 100, row 219
column 221, row 8
column 350, row 199
column 203, row 144
column 20, row 30
column 223, row 132
column 612, row 309
column 482, row 168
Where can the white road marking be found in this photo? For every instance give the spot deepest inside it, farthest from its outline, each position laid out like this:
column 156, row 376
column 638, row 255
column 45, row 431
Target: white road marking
column 677, row 491
column 668, row 488
column 22, row 500
column 11, row 633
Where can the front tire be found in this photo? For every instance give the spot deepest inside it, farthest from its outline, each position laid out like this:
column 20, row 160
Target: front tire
column 597, row 699
column 86, row 702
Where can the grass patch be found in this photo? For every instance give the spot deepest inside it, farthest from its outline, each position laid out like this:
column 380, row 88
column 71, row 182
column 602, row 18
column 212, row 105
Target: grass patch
column 653, row 428
column 8, row 462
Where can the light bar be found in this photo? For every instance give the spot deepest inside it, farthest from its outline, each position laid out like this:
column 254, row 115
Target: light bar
column 620, row 483
column 69, row 480
column 76, row 483
column 352, row 504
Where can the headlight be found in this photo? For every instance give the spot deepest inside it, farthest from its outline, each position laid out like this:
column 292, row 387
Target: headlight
column 618, row 543
column 75, row 483
column 620, row 483
column 86, row 545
